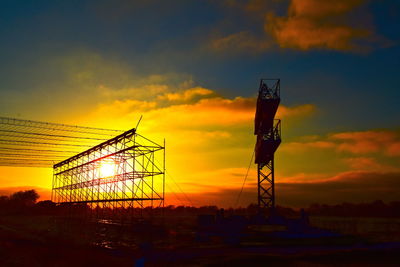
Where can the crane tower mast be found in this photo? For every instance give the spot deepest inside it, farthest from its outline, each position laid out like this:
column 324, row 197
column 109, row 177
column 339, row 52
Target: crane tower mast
column 268, row 132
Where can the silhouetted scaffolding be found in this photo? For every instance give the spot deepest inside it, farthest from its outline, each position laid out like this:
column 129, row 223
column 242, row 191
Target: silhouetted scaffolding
column 268, row 131
column 120, row 175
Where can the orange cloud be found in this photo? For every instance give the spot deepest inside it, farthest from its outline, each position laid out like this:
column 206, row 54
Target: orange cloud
column 186, row 95
column 368, row 164
column 359, row 147
column 317, row 24
column 190, row 108
column 308, row 24
column 367, row 142
column 299, row 147
column 240, row 41
column 352, row 186
column 306, row 109
column 318, row 8
column 393, row 149
column 339, row 152
column 362, row 142
column 378, row 136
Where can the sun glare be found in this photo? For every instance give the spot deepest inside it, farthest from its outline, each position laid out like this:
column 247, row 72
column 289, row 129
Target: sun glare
column 107, row 169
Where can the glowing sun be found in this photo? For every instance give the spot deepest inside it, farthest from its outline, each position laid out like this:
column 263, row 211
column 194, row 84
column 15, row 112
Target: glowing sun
column 107, row 169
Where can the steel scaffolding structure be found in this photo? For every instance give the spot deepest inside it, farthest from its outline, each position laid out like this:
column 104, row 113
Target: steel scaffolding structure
column 120, row 174
column 268, row 131
column 27, row 143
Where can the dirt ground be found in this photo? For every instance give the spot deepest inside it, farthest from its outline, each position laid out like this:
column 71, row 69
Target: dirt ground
column 39, row 241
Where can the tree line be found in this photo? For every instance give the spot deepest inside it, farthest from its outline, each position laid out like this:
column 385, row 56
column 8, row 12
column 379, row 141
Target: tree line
column 26, row 202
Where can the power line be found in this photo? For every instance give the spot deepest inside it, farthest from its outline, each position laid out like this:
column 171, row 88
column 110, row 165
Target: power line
column 176, row 196
column 35, row 143
column 180, row 189
column 12, row 142
column 177, row 185
column 50, row 125
column 54, row 135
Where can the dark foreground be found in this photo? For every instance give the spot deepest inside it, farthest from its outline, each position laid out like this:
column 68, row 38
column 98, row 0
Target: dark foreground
column 50, row 241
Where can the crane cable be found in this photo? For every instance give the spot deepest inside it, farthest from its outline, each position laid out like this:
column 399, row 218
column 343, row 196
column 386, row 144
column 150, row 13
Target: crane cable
column 245, row 178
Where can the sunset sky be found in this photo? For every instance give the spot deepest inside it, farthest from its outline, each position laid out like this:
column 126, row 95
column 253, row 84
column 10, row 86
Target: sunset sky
column 192, row 69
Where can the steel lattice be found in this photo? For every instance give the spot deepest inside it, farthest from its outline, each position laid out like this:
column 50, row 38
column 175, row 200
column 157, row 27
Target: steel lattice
column 268, row 131
column 137, row 178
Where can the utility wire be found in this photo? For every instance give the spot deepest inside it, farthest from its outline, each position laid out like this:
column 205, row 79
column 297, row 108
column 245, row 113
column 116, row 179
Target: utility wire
column 180, row 189
column 32, row 143
column 50, row 135
column 49, row 125
column 177, row 185
column 176, row 196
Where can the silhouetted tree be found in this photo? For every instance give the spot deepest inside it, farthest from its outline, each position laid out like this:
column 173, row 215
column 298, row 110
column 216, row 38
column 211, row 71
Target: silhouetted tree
column 26, row 198
column 22, row 201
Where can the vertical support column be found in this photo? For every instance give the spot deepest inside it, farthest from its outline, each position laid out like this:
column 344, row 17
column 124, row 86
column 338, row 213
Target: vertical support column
column 259, row 167
column 272, row 183
column 266, row 186
column 53, row 186
column 163, row 200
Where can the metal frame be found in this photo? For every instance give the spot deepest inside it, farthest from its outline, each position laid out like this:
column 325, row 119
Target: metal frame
column 137, row 179
column 268, row 131
column 266, row 173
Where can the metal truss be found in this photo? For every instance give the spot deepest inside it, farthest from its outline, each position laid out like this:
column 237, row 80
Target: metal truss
column 268, row 131
column 120, row 174
column 265, row 170
column 266, row 188
column 26, row 143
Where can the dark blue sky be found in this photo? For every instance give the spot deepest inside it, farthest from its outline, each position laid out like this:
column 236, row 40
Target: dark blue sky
column 353, row 89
